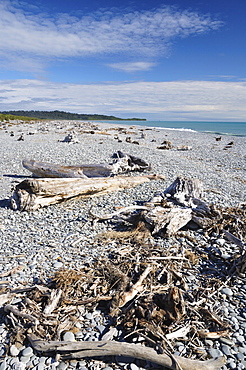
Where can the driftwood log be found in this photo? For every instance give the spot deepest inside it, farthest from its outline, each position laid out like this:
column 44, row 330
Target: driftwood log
column 70, row 350
column 31, row 194
column 121, row 163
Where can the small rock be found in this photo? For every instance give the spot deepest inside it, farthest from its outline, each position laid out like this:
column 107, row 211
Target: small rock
column 133, row 367
column 14, row 350
column 226, row 350
column 69, row 337
column 227, row 291
column 3, row 365
column 239, row 356
column 62, row 366
column 57, row 265
column 241, row 339
column 214, row 352
column 27, row 352
column 100, row 328
column 227, row 341
column 24, row 359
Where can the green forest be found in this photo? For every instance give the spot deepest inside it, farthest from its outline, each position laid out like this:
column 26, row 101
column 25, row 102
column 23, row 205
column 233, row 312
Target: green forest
column 60, row 115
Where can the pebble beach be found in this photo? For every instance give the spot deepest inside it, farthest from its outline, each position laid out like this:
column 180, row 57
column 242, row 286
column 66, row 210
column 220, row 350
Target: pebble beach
column 36, row 244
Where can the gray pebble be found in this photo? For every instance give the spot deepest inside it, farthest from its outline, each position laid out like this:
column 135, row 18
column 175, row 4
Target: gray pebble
column 62, row 366
column 232, row 365
column 100, row 328
column 14, row 351
column 57, row 265
column 69, row 337
column 133, row 367
column 240, row 339
column 27, row 352
column 226, row 350
column 41, row 366
column 240, row 356
column 242, row 349
column 227, row 291
column 214, row 352
column 24, row 359
column 227, row 341
column 89, row 316
column 3, row 365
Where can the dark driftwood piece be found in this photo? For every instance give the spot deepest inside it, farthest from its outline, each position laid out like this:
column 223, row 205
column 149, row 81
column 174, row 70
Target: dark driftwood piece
column 121, row 163
column 113, row 348
column 32, row 194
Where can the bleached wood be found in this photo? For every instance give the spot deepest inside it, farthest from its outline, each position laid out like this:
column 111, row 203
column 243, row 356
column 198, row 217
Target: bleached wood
column 170, row 220
column 121, row 163
column 112, row 348
column 31, row 194
column 44, row 169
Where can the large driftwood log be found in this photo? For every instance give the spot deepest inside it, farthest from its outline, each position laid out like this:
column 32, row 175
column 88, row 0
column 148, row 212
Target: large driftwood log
column 113, row 348
column 121, row 163
column 32, row 194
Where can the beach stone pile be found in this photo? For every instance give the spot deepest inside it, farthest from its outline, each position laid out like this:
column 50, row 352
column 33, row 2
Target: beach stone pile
column 34, row 245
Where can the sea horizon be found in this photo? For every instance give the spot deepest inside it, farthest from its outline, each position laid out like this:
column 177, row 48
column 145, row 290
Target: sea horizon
column 210, row 127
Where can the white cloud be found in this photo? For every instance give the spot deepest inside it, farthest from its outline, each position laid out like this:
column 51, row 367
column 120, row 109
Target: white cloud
column 176, row 100
column 132, row 66
column 24, row 34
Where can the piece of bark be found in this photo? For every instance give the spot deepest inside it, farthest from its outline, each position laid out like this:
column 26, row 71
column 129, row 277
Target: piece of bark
column 31, row 194
column 112, row 348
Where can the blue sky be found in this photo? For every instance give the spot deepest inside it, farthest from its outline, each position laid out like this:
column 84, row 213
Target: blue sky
column 160, row 60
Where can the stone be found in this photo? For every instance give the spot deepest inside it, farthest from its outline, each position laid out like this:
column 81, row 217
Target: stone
column 226, row 350
column 215, row 352
column 227, row 291
column 133, row 366
column 27, row 352
column 227, row 341
column 69, row 337
column 62, row 366
column 3, row 365
column 57, row 265
column 14, row 351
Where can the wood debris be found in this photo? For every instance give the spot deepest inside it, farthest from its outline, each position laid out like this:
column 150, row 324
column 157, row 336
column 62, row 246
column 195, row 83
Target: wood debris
column 142, row 288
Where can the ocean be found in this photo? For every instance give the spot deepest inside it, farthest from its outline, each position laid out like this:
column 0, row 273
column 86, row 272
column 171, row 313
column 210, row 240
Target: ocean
column 216, row 128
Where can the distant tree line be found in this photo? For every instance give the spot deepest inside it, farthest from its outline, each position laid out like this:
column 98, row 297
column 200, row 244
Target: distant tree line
column 60, row 115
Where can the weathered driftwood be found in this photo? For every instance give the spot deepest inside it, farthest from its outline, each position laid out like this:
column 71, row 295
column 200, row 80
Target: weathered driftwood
column 185, row 191
column 43, row 169
column 16, row 312
column 32, row 194
column 113, row 348
column 121, row 163
column 168, row 220
column 169, row 211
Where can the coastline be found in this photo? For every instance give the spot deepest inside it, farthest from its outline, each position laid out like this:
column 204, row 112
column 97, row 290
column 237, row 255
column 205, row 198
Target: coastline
column 210, row 127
